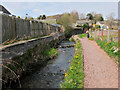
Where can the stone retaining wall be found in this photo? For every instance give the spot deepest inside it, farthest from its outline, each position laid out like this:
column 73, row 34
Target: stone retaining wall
column 18, row 58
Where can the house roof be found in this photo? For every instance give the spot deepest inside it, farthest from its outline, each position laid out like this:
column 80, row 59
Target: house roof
column 100, row 22
column 56, row 24
column 2, row 8
column 83, row 21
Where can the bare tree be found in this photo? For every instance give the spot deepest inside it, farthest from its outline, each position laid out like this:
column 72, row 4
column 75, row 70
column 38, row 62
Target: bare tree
column 110, row 20
column 93, row 13
column 98, row 17
column 82, row 16
column 75, row 16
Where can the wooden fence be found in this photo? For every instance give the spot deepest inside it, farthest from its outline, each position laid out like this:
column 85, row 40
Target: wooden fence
column 15, row 28
column 108, row 35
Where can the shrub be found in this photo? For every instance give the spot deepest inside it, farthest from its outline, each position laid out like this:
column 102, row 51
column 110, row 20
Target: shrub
column 51, row 51
column 97, row 26
column 18, row 17
column 86, row 25
column 78, row 26
column 66, row 21
column 91, row 38
column 71, row 39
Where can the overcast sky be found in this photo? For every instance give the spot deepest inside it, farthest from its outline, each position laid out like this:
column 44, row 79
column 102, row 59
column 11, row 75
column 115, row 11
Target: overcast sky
column 35, row 9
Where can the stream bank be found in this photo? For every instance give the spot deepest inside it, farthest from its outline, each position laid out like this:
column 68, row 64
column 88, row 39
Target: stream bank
column 53, row 73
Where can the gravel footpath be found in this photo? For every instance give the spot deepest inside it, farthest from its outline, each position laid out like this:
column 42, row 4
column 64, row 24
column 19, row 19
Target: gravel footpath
column 100, row 70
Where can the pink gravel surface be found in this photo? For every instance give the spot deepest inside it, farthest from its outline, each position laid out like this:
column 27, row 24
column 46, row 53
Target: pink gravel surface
column 100, row 70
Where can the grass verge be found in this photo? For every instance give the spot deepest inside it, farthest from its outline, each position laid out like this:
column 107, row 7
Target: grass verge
column 71, row 39
column 82, row 35
column 74, row 78
column 91, row 38
column 111, row 48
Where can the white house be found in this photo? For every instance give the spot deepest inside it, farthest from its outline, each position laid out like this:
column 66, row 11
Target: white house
column 101, row 23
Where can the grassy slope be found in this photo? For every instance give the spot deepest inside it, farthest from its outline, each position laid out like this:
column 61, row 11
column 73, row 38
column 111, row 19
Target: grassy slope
column 109, row 47
column 74, row 78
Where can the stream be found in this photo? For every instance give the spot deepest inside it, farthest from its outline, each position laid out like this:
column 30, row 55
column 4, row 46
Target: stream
column 52, row 74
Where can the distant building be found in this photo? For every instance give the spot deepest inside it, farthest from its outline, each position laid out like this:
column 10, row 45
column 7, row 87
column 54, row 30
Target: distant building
column 82, row 22
column 101, row 23
column 54, row 24
column 116, row 21
column 3, row 10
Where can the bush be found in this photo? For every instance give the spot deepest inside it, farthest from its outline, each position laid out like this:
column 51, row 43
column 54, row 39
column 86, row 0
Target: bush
column 71, row 39
column 97, row 26
column 78, row 26
column 86, row 25
column 66, row 21
column 68, row 30
column 51, row 51
column 91, row 38
column 18, row 17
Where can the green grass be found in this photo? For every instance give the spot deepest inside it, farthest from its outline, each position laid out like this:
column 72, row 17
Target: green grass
column 50, row 52
column 74, row 78
column 91, row 38
column 111, row 36
column 71, row 39
column 109, row 48
column 82, row 35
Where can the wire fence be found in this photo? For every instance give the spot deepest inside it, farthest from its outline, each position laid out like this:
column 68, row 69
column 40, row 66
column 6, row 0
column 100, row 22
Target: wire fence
column 107, row 35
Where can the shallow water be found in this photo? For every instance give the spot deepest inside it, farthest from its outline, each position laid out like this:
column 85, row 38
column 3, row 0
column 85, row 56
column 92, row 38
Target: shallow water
column 52, row 74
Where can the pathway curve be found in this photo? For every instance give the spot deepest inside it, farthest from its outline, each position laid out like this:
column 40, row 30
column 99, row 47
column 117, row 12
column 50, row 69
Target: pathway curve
column 100, row 70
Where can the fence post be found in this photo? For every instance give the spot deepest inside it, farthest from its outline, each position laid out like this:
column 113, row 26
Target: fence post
column 108, row 35
column 13, row 28
column 98, row 33
column 95, row 34
column 102, row 34
column 49, row 29
column 119, row 37
column 119, row 49
column 91, row 33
